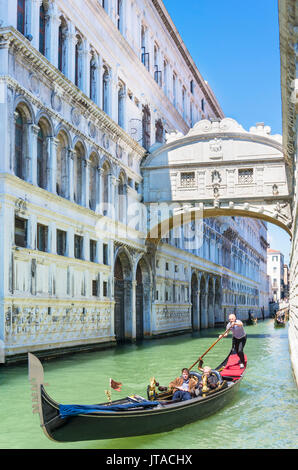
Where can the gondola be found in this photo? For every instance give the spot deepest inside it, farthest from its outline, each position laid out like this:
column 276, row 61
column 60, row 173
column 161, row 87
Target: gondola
column 133, row 415
column 279, row 322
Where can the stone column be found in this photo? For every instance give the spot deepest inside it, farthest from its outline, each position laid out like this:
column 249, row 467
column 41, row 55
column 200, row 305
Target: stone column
column 33, row 21
column 70, row 243
column 7, row 127
column 99, row 209
column 113, row 108
column 86, row 183
column 133, row 309
column 32, row 230
column 53, row 238
column 86, row 247
column 8, row 12
column 116, row 200
column 71, row 41
column 52, row 152
column 111, row 197
column 86, row 57
column 52, row 34
column 100, row 82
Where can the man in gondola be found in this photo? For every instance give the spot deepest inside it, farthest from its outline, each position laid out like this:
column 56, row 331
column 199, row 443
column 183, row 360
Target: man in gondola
column 239, row 337
column 183, row 387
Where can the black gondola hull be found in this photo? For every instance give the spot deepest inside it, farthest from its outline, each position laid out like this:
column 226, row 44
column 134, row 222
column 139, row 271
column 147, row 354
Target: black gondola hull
column 126, row 424
column 162, row 416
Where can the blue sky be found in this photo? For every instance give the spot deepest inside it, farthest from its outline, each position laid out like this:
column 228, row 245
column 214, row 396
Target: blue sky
column 235, row 45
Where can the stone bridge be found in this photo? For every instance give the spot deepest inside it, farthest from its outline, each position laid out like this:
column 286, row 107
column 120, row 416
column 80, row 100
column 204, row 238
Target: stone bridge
column 219, row 169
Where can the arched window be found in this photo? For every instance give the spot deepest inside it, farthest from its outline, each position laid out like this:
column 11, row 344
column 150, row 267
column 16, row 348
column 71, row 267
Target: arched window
column 19, row 168
column 41, row 159
column 62, row 45
column 78, row 61
column 78, row 173
column 42, row 29
column 105, row 90
column 120, row 15
column 62, row 165
column 121, row 198
column 21, row 16
column 93, row 78
column 121, row 104
column 146, row 122
column 105, row 186
column 159, row 131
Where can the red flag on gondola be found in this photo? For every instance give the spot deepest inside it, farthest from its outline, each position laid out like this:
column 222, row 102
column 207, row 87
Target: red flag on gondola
column 115, row 385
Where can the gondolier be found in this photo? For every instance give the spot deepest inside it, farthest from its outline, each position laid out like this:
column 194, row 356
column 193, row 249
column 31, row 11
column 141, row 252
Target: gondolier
column 239, row 337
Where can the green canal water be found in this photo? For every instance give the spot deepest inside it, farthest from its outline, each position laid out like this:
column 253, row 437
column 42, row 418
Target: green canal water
column 263, row 415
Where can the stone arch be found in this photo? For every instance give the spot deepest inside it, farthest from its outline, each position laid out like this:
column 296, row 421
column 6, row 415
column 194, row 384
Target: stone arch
column 123, row 321
column 195, row 321
column 26, row 107
column 23, row 118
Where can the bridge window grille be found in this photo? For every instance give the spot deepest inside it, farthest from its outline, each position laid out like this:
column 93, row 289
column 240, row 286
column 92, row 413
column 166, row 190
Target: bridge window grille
column 245, row 176
column 188, row 179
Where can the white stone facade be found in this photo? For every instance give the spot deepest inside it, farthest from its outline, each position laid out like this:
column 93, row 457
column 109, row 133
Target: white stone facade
column 81, row 101
column 288, row 22
column 275, row 269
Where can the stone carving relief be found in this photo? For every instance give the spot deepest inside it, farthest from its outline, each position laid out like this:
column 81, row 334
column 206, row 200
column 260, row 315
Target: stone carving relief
column 34, row 84
column 215, row 149
column 75, row 116
column 56, row 102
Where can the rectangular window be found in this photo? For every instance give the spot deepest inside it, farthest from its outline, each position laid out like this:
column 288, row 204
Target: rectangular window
column 95, row 288
column 105, row 289
column 188, row 179
column 61, row 242
column 20, row 233
column 93, row 246
column 192, row 86
column 203, row 104
column 21, row 14
column 167, row 266
column 105, row 254
column 42, row 237
column 78, row 247
column 245, row 176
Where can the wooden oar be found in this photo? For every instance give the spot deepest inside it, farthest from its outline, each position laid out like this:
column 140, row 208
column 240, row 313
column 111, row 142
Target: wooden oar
column 201, row 357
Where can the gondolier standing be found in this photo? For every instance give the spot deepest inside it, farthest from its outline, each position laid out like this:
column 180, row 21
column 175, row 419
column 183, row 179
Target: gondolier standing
column 239, row 337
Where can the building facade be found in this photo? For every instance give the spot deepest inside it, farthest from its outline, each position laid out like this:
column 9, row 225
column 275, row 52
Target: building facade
column 288, row 25
column 87, row 89
column 275, row 270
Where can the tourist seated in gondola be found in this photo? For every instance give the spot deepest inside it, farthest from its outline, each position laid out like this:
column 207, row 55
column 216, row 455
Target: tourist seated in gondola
column 208, row 380
column 183, row 387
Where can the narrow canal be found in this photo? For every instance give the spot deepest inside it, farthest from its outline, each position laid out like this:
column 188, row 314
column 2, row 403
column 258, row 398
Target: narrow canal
column 264, row 414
